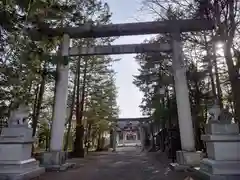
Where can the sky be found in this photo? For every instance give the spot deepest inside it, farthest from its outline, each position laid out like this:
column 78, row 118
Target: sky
column 129, row 97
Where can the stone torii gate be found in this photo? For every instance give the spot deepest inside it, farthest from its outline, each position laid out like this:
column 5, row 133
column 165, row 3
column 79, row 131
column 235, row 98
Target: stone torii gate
column 188, row 154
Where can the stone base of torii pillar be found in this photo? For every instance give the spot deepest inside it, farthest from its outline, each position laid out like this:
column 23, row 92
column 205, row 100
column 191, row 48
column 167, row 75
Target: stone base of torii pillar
column 56, row 161
column 188, row 158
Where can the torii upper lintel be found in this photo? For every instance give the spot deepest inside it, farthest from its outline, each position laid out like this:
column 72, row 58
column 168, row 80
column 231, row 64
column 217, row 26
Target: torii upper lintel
column 141, row 28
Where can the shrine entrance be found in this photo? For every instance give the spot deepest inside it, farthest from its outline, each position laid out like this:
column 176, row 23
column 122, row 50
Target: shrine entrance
column 129, row 131
column 172, row 27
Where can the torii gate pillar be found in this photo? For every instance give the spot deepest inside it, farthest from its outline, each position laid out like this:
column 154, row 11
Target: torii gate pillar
column 188, row 155
column 60, row 104
column 55, row 159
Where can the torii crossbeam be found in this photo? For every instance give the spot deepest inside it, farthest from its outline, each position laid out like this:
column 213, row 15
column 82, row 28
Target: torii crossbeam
column 119, row 49
column 141, row 28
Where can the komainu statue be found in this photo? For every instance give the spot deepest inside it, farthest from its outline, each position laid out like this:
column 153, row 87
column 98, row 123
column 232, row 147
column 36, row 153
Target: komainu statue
column 214, row 113
column 220, row 116
column 225, row 116
column 19, row 116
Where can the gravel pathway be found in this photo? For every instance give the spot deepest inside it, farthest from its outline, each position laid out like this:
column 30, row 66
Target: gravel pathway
column 128, row 163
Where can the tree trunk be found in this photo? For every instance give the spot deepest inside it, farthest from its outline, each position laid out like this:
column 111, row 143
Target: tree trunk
column 212, row 82
column 153, row 137
column 99, row 141
column 54, row 97
column 78, row 144
column 235, row 82
column 218, row 85
column 196, row 117
column 219, row 90
column 47, row 140
column 71, row 112
column 88, row 136
column 169, row 108
column 35, row 102
column 210, row 67
column 232, row 69
column 39, row 102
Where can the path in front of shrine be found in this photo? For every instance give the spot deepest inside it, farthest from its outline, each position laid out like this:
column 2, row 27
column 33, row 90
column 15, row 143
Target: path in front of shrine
column 128, row 163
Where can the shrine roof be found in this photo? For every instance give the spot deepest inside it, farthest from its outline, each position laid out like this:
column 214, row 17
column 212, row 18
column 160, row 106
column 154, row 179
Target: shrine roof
column 140, row 119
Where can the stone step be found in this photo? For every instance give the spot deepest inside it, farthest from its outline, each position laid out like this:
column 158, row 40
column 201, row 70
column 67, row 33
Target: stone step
column 220, row 167
column 27, row 174
column 20, row 165
column 197, row 174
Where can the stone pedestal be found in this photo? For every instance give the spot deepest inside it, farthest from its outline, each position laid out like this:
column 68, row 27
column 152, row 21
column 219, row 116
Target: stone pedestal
column 15, row 154
column 223, row 150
